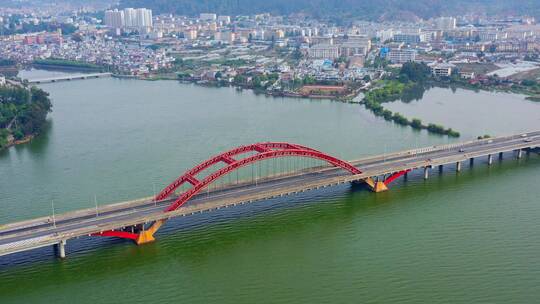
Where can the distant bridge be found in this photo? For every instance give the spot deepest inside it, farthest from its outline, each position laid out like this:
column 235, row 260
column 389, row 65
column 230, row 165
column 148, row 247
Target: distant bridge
column 69, row 78
column 192, row 193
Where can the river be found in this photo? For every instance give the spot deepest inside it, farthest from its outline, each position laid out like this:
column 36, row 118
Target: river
column 467, row 237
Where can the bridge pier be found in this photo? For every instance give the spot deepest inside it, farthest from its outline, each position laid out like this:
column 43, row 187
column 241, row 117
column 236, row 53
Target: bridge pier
column 458, row 166
column 519, row 153
column 500, row 155
column 147, row 236
column 471, row 161
column 441, row 168
column 376, row 185
column 61, row 249
column 426, row 172
column 490, row 159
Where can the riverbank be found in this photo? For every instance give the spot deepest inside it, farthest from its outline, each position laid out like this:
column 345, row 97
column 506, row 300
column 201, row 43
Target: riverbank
column 13, row 142
column 69, row 65
column 393, row 90
column 528, row 87
column 24, row 111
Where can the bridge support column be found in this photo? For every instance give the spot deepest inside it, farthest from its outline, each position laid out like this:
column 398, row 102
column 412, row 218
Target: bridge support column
column 458, row 166
column 376, row 185
column 441, row 168
column 490, row 159
column 471, row 161
column 147, row 236
column 519, row 153
column 426, row 172
column 61, row 249
column 500, row 155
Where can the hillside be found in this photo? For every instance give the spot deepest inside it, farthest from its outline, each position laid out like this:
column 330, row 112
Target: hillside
column 366, row 9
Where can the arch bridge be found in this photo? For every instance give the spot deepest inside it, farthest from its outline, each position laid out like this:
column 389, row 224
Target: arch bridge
column 233, row 160
column 138, row 220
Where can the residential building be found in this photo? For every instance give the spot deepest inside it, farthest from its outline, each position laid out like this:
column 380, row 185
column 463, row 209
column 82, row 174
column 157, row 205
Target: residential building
column 144, row 17
column 445, row 23
column 442, row 69
column 409, row 38
column 130, row 17
column 190, row 34
column 401, row 56
column 114, row 18
column 207, row 17
column 323, row 51
column 224, row 19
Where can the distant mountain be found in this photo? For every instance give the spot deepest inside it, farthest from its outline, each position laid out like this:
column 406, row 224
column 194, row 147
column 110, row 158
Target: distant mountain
column 367, row 9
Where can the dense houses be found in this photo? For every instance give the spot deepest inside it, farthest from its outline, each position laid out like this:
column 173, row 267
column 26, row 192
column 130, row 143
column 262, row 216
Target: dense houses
column 134, row 41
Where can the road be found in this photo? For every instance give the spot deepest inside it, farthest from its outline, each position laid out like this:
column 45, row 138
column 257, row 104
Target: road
column 35, row 233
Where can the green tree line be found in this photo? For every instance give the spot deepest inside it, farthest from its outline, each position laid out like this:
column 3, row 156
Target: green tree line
column 23, row 112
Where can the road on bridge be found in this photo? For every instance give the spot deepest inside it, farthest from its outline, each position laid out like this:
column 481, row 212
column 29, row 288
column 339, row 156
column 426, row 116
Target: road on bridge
column 26, row 235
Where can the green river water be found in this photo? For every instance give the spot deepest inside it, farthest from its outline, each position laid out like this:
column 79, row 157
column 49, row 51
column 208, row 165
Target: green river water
column 471, row 237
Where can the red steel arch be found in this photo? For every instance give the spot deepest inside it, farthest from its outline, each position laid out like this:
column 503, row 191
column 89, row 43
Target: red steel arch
column 262, row 151
column 394, row 176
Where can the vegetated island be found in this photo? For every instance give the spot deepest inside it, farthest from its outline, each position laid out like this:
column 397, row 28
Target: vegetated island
column 411, row 77
column 23, row 113
column 66, row 64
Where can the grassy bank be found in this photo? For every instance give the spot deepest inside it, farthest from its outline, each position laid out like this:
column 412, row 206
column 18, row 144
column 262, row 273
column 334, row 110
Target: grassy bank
column 393, row 90
column 66, row 64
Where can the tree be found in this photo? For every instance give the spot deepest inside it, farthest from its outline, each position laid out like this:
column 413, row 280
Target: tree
column 416, row 123
column 416, row 72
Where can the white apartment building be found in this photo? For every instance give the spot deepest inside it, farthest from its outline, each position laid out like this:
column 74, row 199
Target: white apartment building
column 442, row 69
column 401, row 56
column 488, row 36
column 114, row 18
column 225, row 37
column 129, row 17
column 207, row 17
column 323, row 51
column 445, row 23
column 190, row 34
column 144, row 17
column 385, row 35
column 224, row 19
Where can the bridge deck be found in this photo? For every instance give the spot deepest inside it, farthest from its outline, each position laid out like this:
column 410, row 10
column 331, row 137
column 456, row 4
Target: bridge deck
column 69, row 77
column 34, row 233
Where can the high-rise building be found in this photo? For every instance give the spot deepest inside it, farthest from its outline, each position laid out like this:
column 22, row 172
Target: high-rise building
column 130, row 17
column 224, row 19
column 143, row 17
column 207, row 17
column 114, row 18
column 445, row 23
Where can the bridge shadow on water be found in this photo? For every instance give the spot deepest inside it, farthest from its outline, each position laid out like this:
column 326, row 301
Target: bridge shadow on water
column 189, row 240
